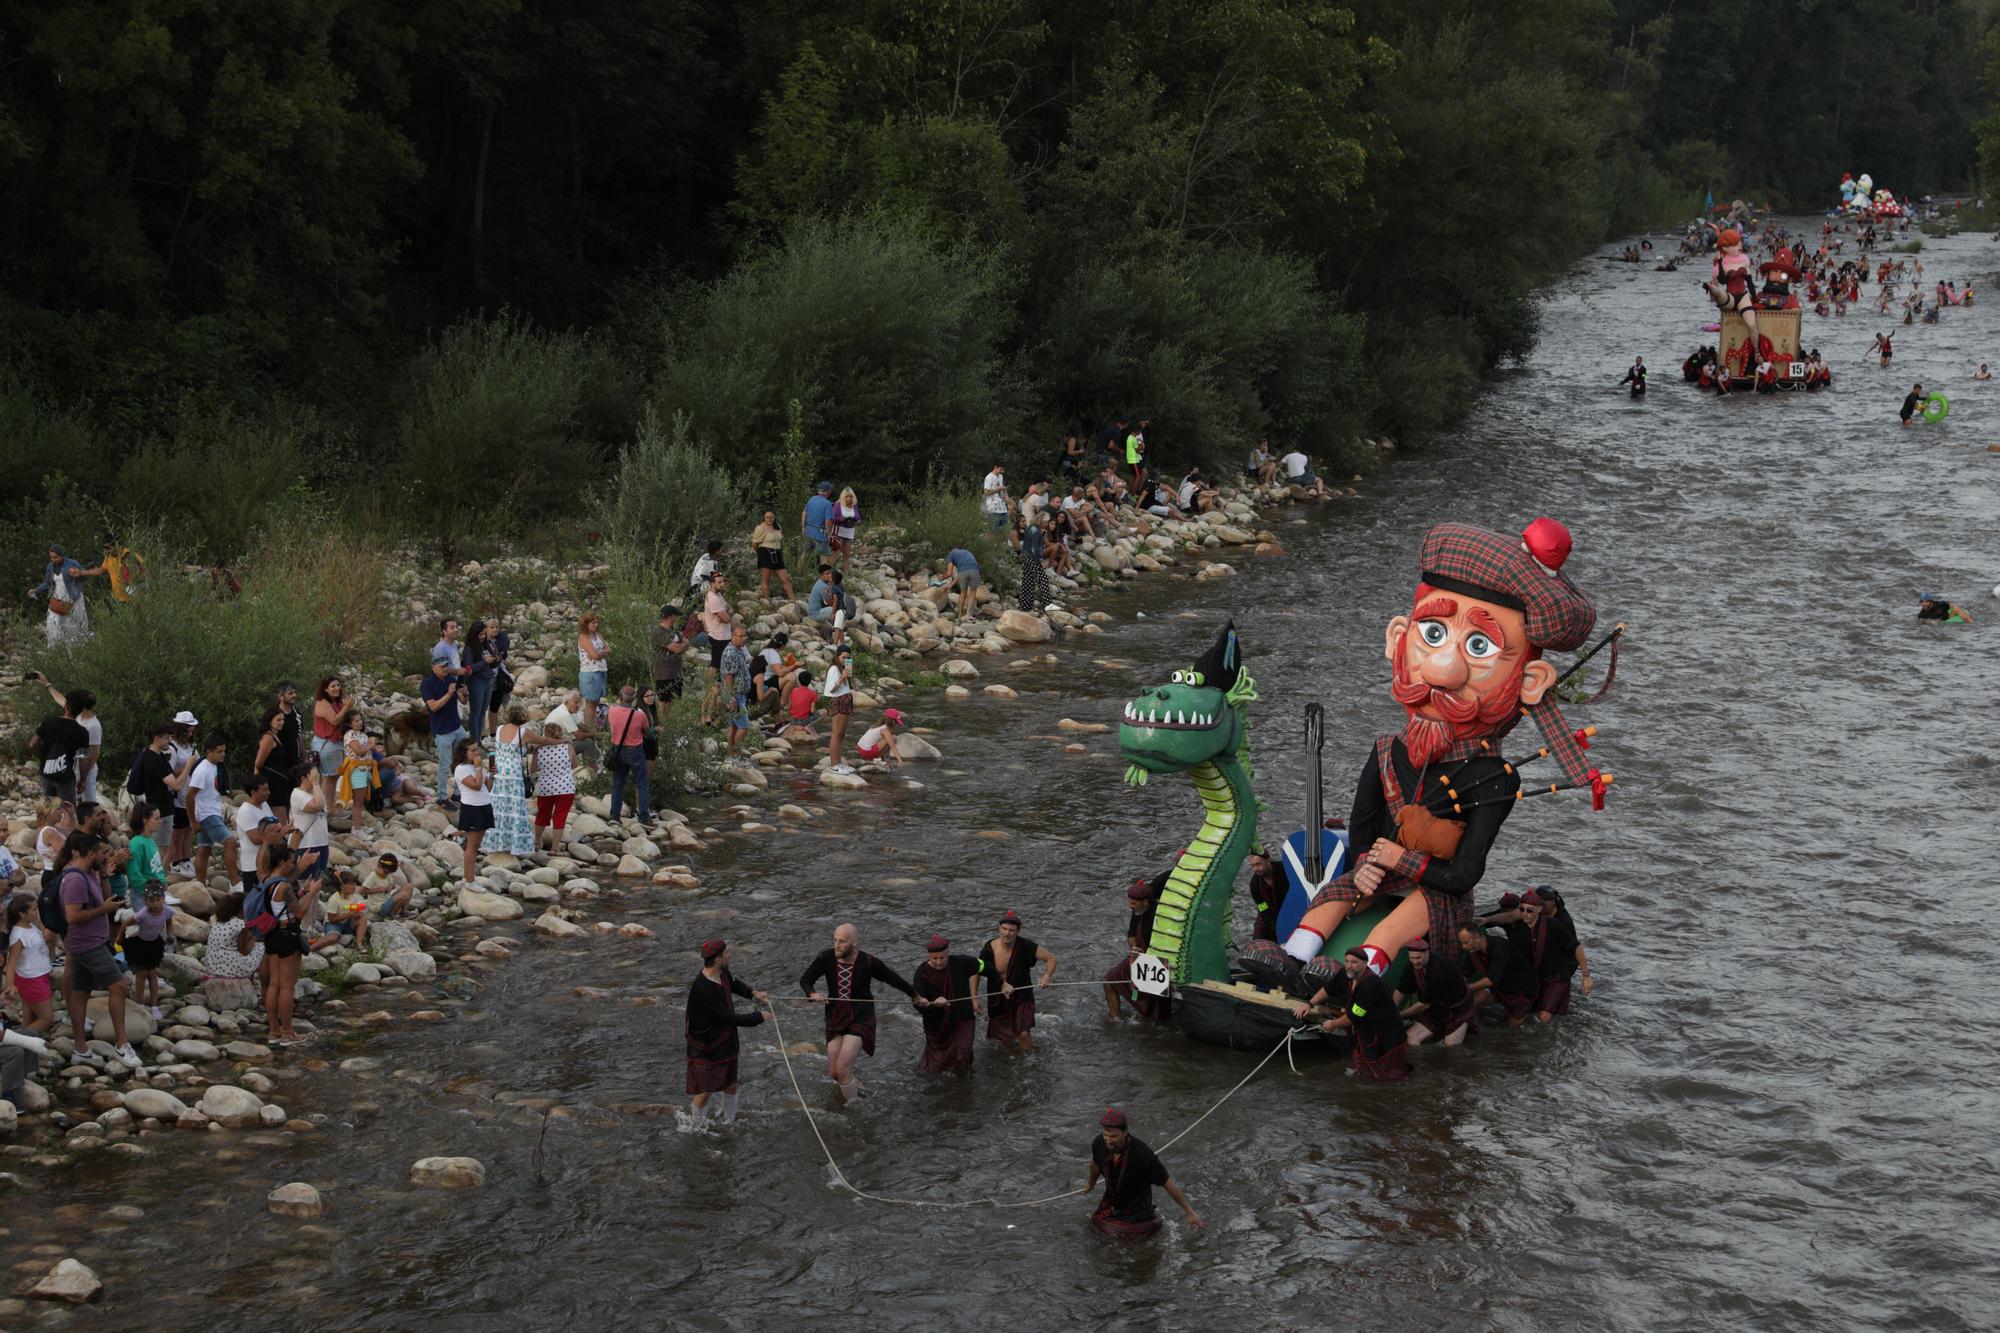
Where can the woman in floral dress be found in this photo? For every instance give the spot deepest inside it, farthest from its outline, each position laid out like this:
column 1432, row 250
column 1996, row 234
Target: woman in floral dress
column 513, row 827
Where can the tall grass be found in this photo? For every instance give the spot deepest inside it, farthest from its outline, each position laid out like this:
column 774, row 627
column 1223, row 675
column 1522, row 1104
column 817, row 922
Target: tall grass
column 938, row 516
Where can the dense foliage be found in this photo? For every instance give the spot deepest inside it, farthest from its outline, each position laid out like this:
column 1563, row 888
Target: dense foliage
column 455, row 251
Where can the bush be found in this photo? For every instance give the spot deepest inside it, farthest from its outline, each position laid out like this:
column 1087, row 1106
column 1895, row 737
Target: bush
column 179, row 647
column 231, row 483
column 501, row 414
column 668, row 499
column 933, row 519
column 888, row 343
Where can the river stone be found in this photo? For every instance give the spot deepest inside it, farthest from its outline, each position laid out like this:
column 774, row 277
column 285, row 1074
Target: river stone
column 1234, row 536
column 193, row 1048
column 138, row 1023
column 588, row 826
column 960, row 669
column 955, row 693
column 1070, row 724
column 297, row 1199
column 272, row 1116
column 545, row 875
column 414, row 964
column 639, row 845
column 34, row 1098
column 390, row 936
column 538, row 893
column 227, row 993
column 844, row 781
column 548, row 923
column 10, row 1119
column 629, row 865
column 247, row 1050
column 1110, row 557
column 578, row 885
column 1002, row 691
column 1023, row 627
column 449, row 1173
column 154, row 1104
column 68, row 1281
column 194, row 1016
column 632, row 930
column 364, row 974
column 234, row 1107
column 487, row 906
column 195, row 899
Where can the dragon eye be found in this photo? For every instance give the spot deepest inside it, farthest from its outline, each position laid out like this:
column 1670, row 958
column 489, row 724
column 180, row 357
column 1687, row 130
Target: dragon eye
column 1195, row 678
column 1433, row 632
column 1179, row 677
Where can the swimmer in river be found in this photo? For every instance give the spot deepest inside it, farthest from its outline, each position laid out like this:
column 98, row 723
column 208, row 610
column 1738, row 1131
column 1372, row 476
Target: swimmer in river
column 1916, row 396
column 1930, row 606
column 1982, row 373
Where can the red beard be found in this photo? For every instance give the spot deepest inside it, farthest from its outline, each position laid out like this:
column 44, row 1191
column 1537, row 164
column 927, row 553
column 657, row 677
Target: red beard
column 1463, row 719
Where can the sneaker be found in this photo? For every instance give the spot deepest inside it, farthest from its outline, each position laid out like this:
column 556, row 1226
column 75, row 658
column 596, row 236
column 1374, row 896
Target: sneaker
column 86, row 1056
column 129, row 1057
column 841, row 768
column 185, row 869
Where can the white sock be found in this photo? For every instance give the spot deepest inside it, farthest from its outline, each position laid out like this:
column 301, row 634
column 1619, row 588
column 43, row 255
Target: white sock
column 698, row 1114
column 850, row 1090
column 728, row 1108
column 1305, row 944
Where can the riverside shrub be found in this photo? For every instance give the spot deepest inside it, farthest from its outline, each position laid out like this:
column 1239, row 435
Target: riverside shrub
column 177, row 646
column 889, row 343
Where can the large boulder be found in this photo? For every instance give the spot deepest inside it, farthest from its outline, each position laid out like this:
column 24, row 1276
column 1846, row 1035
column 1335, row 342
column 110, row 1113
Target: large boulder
column 911, row 746
column 414, row 964
column 548, row 923
column 155, row 1103
column 389, row 936
column 960, row 669
column 234, row 1107
column 843, row 781
column 1022, row 627
column 195, row 899
column 139, row 1024
column 448, row 1173
column 487, row 906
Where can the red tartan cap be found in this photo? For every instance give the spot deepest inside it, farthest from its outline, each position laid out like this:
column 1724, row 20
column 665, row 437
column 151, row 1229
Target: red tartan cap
column 712, row 950
column 939, row 944
column 1531, row 897
column 1418, row 945
column 1113, row 1118
column 1477, row 562
column 1509, row 900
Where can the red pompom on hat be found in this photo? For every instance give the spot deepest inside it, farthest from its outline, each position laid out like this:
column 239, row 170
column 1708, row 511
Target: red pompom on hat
column 712, row 949
column 1548, row 541
column 1113, row 1118
column 939, row 944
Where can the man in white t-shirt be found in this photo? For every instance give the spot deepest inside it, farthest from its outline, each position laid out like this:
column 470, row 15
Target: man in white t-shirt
column 1036, row 500
column 256, row 827
column 204, row 796
column 570, row 715
column 1299, row 472
column 995, row 502
column 1079, row 509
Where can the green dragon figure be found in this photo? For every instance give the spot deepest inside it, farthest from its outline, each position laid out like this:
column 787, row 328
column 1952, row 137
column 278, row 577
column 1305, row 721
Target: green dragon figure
column 1196, row 724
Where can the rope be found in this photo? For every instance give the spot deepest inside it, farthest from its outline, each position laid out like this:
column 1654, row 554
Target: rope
column 840, row 1177
column 981, row 994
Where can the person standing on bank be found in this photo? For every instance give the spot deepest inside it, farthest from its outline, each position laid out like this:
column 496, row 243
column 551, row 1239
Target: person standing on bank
column 768, row 541
column 849, row 998
column 1129, row 1170
column 713, row 1046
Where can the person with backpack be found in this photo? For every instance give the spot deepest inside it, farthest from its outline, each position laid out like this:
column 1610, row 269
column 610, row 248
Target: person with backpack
column 84, row 912
column 272, row 912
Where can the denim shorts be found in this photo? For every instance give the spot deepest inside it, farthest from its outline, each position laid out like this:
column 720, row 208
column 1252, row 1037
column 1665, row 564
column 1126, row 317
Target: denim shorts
column 591, row 685
column 212, row 833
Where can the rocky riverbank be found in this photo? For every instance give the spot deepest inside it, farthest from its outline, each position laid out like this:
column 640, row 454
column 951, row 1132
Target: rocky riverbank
column 208, row 1069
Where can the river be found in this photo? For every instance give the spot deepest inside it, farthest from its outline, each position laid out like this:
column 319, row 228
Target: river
column 1777, row 1111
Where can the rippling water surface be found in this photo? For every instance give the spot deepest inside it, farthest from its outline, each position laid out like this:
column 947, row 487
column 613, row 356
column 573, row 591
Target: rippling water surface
column 1778, row 1110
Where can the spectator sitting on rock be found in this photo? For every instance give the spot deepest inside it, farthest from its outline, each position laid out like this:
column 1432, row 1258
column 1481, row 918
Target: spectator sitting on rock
column 1299, row 473
column 1263, row 466
column 1077, row 511
column 388, row 878
column 824, row 599
column 342, row 917
column 233, row 955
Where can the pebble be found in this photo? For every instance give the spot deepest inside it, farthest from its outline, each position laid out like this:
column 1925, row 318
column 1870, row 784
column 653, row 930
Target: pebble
column 68, row 1281
column 450, row 1173
column 297, row 1199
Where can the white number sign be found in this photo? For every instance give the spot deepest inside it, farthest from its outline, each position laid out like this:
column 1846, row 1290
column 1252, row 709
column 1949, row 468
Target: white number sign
column 1797, row 370
column 1150, row 975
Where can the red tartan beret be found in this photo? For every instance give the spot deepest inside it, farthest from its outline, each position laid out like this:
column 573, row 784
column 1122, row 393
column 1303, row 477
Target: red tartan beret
column 939, row 944
column 1476, row 562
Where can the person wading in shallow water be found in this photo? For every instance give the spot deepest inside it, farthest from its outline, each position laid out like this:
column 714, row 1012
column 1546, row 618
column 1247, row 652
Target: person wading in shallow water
column 946, row 996
column 850, row 1003
column 1129, row 1170
column 712, row 1043
column 1008, row 960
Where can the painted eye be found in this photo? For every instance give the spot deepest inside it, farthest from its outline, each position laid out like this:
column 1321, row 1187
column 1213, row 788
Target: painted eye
column 1433, row 632
column 1195, row 678
column 1481, row 647
column 1180, row 677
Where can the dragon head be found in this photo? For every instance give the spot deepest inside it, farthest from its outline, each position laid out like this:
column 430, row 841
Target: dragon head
column 1193, row 718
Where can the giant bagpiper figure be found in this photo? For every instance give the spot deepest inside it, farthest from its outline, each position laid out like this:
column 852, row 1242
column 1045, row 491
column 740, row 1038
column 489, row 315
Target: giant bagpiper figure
column 1466, row 665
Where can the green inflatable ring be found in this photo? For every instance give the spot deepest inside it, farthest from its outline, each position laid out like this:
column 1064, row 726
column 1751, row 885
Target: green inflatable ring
column 1935, row 407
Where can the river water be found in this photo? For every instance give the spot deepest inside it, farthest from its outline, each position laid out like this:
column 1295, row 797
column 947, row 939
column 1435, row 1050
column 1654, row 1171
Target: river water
column 1777, row 1111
